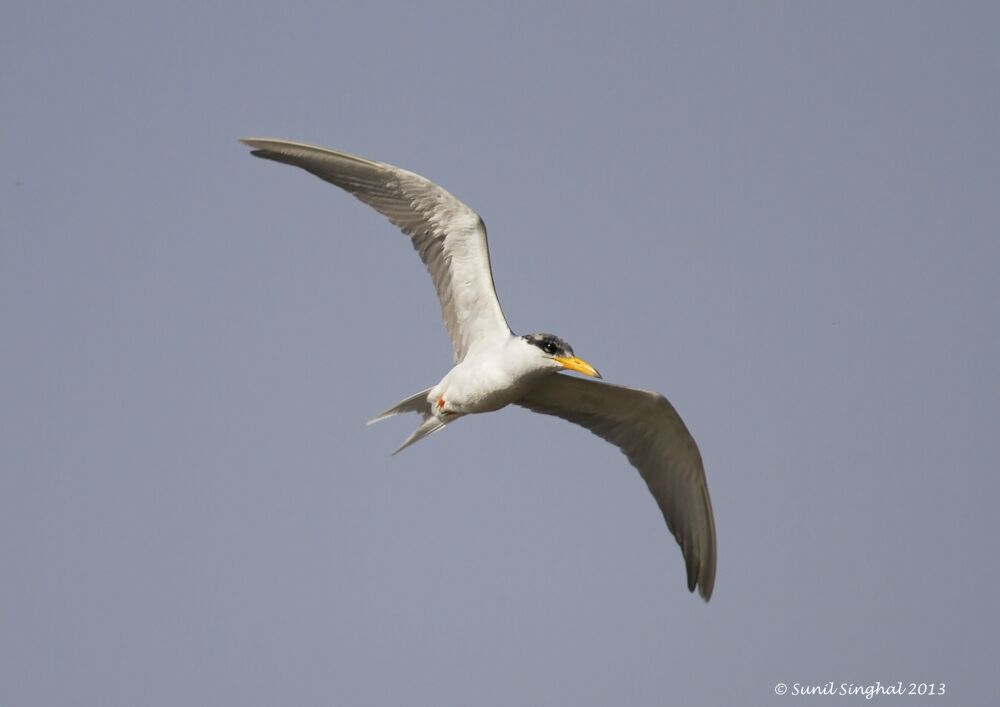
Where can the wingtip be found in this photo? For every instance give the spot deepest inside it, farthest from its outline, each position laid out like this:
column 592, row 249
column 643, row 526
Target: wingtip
column 706, row 583
column 701, row 576
column 258, row 145
column 705, row 592
column 255, row 149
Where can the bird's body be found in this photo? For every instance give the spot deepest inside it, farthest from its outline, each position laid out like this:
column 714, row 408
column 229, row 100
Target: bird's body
column 495, row 368
column 487, row 379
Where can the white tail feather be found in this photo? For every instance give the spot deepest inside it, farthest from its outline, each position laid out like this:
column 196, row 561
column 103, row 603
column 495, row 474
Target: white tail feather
column 430, row 425
column 415, row 403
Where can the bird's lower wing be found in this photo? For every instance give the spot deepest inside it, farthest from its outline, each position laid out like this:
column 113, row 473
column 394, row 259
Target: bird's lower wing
column 449, row 236
column 645, row 426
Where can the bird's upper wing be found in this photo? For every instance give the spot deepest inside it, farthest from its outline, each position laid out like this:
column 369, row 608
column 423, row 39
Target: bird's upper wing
column 645, row 426
column 449, row 236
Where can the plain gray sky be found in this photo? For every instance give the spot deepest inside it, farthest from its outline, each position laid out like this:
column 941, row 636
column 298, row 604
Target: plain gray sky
column 783, row 216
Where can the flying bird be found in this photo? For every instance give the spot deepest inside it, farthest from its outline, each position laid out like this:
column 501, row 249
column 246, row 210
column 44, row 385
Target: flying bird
column 493, row 367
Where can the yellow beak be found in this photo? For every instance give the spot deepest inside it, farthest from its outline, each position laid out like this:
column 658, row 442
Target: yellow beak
column 577, row 364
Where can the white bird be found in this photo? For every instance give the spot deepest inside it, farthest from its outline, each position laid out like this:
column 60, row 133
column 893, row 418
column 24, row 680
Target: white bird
column 495, row 367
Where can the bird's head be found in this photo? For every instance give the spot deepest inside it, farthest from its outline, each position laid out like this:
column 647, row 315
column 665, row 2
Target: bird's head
column 558, row 355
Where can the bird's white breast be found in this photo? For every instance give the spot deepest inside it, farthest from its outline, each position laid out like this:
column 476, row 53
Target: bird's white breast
column 488, row 379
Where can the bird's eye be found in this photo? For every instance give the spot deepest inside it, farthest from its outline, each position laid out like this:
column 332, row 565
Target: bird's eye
column 549, row 348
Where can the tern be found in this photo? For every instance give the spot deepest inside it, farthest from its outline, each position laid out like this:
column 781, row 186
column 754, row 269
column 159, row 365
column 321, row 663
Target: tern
column 493, row 367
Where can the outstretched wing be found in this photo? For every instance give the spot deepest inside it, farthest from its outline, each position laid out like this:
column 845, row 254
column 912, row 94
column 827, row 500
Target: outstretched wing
column 449, row 236
column 645, row 426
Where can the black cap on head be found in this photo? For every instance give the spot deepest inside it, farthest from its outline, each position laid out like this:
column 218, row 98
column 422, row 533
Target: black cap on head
column 549, row 344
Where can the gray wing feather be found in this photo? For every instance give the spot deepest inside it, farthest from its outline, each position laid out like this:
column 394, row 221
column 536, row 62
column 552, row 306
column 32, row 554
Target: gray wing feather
column 645, row 426
column 449, row 236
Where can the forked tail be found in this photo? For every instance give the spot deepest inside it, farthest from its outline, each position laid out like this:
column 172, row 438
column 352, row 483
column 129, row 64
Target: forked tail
column 415, row 403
